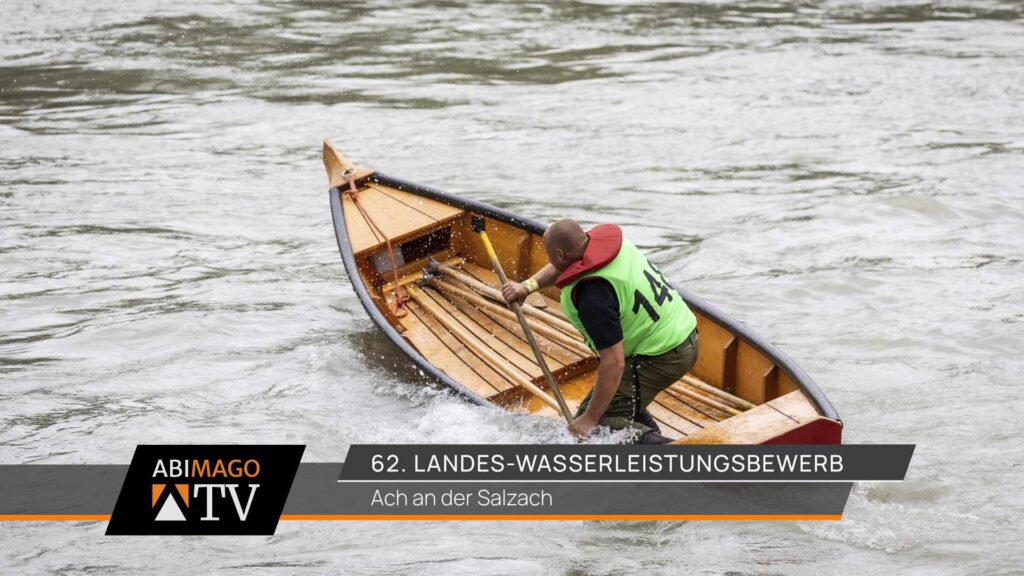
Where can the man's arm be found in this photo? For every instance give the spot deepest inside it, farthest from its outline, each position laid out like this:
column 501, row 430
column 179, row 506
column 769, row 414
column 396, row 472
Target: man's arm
column 609, row 374
column 516, row 291
column 546, row 276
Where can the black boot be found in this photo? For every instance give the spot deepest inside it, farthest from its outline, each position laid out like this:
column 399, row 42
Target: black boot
column 646, row 419
column 653, row 437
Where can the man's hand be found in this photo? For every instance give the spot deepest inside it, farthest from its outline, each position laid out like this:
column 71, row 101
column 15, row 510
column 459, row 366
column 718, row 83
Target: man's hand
column 609, row 374
column 514, row 292
column 581, row 426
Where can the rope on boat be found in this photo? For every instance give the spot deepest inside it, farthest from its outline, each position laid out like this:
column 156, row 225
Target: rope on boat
column 400, row 296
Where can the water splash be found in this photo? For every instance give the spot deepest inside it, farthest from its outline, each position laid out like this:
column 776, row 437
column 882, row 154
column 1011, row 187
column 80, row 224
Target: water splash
column 439, row 417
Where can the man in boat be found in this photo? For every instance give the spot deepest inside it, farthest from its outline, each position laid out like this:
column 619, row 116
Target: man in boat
column 637, row 324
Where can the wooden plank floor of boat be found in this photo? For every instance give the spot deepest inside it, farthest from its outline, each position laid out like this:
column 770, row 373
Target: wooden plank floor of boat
column 676, row 414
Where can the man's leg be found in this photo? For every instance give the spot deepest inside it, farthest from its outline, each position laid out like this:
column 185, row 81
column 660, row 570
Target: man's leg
column 643, row 379
column 658, row 373
column 619, row 414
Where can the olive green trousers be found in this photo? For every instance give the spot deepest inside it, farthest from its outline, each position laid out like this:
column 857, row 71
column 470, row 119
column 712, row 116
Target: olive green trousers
column 644, row 378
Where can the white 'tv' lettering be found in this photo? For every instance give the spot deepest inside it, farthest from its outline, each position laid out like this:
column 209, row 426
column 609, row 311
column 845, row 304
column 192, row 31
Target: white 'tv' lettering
column 209, row 498
column 238, row 505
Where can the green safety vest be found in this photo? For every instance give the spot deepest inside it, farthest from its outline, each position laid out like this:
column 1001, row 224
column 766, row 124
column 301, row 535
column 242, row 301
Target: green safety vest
column 654, row 317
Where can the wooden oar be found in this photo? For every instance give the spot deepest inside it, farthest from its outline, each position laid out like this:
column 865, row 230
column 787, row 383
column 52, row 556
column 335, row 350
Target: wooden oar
column 536, row 299
column 488, row 357
column 738, row 404
column 495, row 294
column 492, row 307
column 701, row 385
column 479, row 227
column 679, row 389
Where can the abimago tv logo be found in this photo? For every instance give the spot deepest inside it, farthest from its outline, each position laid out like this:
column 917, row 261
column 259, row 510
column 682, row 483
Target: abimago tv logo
column 205, row 489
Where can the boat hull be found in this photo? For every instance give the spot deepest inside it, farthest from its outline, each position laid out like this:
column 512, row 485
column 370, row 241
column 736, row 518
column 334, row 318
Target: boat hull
column 734, row 359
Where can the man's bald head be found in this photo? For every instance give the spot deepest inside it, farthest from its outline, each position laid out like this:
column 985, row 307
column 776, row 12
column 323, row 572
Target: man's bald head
column 565, row 242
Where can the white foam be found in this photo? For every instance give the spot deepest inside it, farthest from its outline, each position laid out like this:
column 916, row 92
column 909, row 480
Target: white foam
column 880, row 524
column 439, row 417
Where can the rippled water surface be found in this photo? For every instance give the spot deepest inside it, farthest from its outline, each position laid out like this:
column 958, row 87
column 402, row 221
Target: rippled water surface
column 845, row 177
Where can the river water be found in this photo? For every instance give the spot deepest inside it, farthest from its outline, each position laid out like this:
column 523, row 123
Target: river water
column 845, row 177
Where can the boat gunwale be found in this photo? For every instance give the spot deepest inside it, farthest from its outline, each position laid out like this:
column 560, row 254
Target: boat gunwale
column 738, row 329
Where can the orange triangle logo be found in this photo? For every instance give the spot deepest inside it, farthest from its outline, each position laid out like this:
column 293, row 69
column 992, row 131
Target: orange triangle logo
column 158, row 489
column 183, row 490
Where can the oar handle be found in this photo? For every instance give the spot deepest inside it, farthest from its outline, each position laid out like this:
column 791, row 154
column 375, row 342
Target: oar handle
column 526, row 329
column 494, row 257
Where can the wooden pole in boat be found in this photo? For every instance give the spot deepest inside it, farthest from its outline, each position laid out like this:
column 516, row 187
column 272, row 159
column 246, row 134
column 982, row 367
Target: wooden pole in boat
column 679, row 389
column 701, row 385
column 488, row 357
column 479, row 226
column 486, row 305
column 495, row 294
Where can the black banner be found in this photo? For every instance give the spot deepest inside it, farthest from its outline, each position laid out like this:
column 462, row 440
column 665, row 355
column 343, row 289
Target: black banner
column 205, row 489
column 245, row 489
column 605, row 463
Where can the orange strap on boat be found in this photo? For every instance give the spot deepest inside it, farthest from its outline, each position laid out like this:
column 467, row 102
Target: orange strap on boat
column 400, row 296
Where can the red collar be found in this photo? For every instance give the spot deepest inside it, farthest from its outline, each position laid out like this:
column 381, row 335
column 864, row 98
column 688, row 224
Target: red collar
column 605, row 241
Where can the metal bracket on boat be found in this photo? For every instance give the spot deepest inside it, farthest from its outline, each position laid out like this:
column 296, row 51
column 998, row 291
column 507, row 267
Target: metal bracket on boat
column 432, row 267
column 478, row 224
column 426, row 275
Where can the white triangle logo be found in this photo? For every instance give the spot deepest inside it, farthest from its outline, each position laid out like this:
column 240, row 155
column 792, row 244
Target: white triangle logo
column 170, row 511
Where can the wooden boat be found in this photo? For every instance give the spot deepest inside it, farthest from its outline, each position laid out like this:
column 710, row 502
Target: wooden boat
column 742, row 390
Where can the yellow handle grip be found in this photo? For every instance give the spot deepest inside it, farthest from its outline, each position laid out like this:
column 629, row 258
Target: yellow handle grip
column 488, row 247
